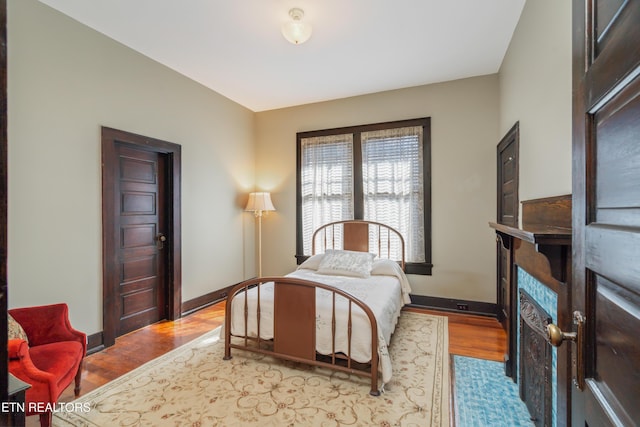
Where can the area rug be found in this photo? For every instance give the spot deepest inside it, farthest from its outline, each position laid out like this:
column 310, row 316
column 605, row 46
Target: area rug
column 193, row 386
column 484, row 396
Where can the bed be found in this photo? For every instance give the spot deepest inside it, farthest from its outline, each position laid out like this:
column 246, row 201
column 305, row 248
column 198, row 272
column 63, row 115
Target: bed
column 337, row 310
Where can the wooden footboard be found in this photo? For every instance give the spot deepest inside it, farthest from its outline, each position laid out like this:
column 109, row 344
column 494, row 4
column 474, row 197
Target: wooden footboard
column 294, row 328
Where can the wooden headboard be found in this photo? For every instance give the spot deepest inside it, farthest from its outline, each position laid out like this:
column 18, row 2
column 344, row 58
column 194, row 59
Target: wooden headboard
column 362, row 236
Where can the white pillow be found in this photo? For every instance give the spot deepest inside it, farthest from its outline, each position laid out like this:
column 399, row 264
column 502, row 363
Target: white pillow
column 385, row 267
column 311, row 263
column 346, row 263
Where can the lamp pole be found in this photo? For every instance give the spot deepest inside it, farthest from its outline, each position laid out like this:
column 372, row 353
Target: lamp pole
column 260, row 204
column 259, row 215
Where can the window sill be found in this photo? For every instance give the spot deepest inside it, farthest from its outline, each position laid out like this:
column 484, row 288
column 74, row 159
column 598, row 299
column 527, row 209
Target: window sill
column 421, row 268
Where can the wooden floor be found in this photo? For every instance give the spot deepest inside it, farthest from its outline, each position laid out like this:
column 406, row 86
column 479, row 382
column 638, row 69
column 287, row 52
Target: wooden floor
column 473, row 336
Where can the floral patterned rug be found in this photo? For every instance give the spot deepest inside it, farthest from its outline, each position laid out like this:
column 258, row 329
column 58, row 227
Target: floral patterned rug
column 193, row 386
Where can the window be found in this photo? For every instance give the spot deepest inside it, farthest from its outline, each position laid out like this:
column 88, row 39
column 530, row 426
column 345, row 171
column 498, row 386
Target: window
column 377, row 172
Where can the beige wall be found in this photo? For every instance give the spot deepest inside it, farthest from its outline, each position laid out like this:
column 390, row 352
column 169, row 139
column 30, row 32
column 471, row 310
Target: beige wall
column 535, row 89
column 464, row 123
column 64, row 82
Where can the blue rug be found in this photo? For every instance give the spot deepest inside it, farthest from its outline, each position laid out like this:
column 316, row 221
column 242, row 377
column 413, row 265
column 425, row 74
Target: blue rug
column 485, row 397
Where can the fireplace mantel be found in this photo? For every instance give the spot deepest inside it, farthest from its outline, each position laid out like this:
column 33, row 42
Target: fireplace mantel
column 541, row 235
column 545, row 253
column 546, row 225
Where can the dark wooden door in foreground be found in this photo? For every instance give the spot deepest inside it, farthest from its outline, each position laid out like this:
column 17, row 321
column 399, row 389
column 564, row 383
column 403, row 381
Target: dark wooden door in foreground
column 606, row 210
column 3, row 209
column 139, row 233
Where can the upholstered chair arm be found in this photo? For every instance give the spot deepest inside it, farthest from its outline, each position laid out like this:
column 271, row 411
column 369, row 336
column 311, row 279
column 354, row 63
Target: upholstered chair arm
column 17, row 349
column 46, row 324
column 21, row 366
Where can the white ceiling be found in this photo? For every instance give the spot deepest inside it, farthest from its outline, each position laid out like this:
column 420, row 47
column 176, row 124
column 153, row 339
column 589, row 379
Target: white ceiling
column 357, row 47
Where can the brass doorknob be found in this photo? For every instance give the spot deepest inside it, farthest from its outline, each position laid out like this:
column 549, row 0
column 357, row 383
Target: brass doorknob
column 555, row 336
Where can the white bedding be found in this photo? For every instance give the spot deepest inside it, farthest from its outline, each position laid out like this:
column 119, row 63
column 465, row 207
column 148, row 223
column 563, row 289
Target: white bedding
column 385, row 292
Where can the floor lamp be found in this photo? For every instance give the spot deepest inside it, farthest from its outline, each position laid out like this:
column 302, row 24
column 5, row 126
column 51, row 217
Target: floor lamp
column 259, row 204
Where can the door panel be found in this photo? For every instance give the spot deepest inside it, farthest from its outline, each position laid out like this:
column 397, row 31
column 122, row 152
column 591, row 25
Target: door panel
column 508, row 202
column 616, row 367
column 138, row 235
column 142, row 290
column 607, row 208
column 508, row 183
column 617, row 134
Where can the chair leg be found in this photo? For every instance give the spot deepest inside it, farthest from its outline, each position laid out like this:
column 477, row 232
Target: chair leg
column 76, row 389
column 45, row 419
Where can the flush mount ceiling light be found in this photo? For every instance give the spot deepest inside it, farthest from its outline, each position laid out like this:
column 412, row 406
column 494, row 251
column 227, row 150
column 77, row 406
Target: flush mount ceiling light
column 296, row 31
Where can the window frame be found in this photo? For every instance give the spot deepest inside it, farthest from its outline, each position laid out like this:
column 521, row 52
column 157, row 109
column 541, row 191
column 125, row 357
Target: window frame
column 422, row 268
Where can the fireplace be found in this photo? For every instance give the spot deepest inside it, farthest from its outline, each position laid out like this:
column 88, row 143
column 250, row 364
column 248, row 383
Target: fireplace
column 534, row 290
column 535, row 360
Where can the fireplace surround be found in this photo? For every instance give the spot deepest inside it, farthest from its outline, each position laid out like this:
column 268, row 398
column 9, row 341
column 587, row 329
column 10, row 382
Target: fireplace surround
column 535, row 259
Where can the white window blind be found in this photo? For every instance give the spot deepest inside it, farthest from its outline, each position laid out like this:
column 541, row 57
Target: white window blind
column 378, row 172
column 393, row 184
column 326, row 185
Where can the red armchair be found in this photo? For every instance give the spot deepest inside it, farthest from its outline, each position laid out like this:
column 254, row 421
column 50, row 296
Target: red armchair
column 50, row 360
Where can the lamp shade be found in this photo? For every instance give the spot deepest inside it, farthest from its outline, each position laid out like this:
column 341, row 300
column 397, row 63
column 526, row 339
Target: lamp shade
column 296, row 31
column 260, row 202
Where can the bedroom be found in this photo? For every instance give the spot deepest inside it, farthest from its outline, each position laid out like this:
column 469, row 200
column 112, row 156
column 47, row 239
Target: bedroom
column 74, row 80
column 66, row 80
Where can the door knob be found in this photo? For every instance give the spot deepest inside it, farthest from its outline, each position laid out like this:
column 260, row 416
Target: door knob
column 160, row 239
column 555, row 337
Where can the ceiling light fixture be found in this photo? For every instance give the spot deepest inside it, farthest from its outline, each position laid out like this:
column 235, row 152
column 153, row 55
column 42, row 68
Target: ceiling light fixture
column 296, row 31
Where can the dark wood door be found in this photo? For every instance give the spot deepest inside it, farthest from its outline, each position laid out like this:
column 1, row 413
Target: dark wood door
column 606, row 209
column 3, row 209
column 508, row 203
column 507, row 214
column 141, row 232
